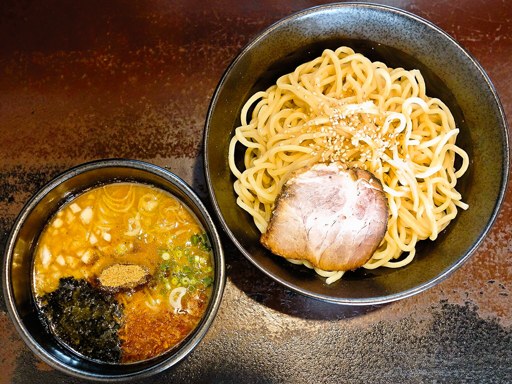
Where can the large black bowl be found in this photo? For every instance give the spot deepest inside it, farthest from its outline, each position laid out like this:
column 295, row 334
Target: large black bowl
column 399, row 39
column 18, row 262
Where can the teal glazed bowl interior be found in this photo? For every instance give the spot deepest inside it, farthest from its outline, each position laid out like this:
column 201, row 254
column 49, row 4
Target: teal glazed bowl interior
column 18, row 262
column 399, row 39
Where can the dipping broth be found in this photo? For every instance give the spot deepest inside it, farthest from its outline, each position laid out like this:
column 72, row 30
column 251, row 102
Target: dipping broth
column 122, row 273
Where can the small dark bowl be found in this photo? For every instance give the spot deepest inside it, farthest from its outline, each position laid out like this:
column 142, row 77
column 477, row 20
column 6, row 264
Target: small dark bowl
column 17, row 268
column 399, row 39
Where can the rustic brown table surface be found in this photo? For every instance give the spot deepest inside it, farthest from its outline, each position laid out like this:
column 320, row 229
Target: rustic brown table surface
column 96, row 79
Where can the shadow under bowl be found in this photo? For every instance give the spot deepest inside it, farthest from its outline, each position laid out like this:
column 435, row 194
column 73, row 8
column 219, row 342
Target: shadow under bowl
column 398, row 39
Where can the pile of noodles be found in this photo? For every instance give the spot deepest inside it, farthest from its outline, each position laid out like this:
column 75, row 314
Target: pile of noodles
column 342, row 107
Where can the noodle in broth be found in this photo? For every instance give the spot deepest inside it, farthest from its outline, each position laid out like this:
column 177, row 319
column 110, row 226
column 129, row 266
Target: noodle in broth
column 130, row 230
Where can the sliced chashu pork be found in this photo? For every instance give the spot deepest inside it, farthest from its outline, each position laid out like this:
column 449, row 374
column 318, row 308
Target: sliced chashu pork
column 332, row 217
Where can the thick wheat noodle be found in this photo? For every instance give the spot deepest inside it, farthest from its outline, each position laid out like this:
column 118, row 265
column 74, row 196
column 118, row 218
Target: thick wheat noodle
column 342, row 107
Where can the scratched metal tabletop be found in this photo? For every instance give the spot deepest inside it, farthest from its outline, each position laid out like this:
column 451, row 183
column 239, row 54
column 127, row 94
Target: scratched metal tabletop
column 84, row 80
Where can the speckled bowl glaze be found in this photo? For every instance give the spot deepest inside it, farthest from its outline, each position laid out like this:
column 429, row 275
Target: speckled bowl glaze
column 399, row 39
column 17, row 267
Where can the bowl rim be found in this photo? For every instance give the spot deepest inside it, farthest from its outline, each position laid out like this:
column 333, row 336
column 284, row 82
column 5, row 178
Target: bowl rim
column 197, row 334
column 255, row 40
